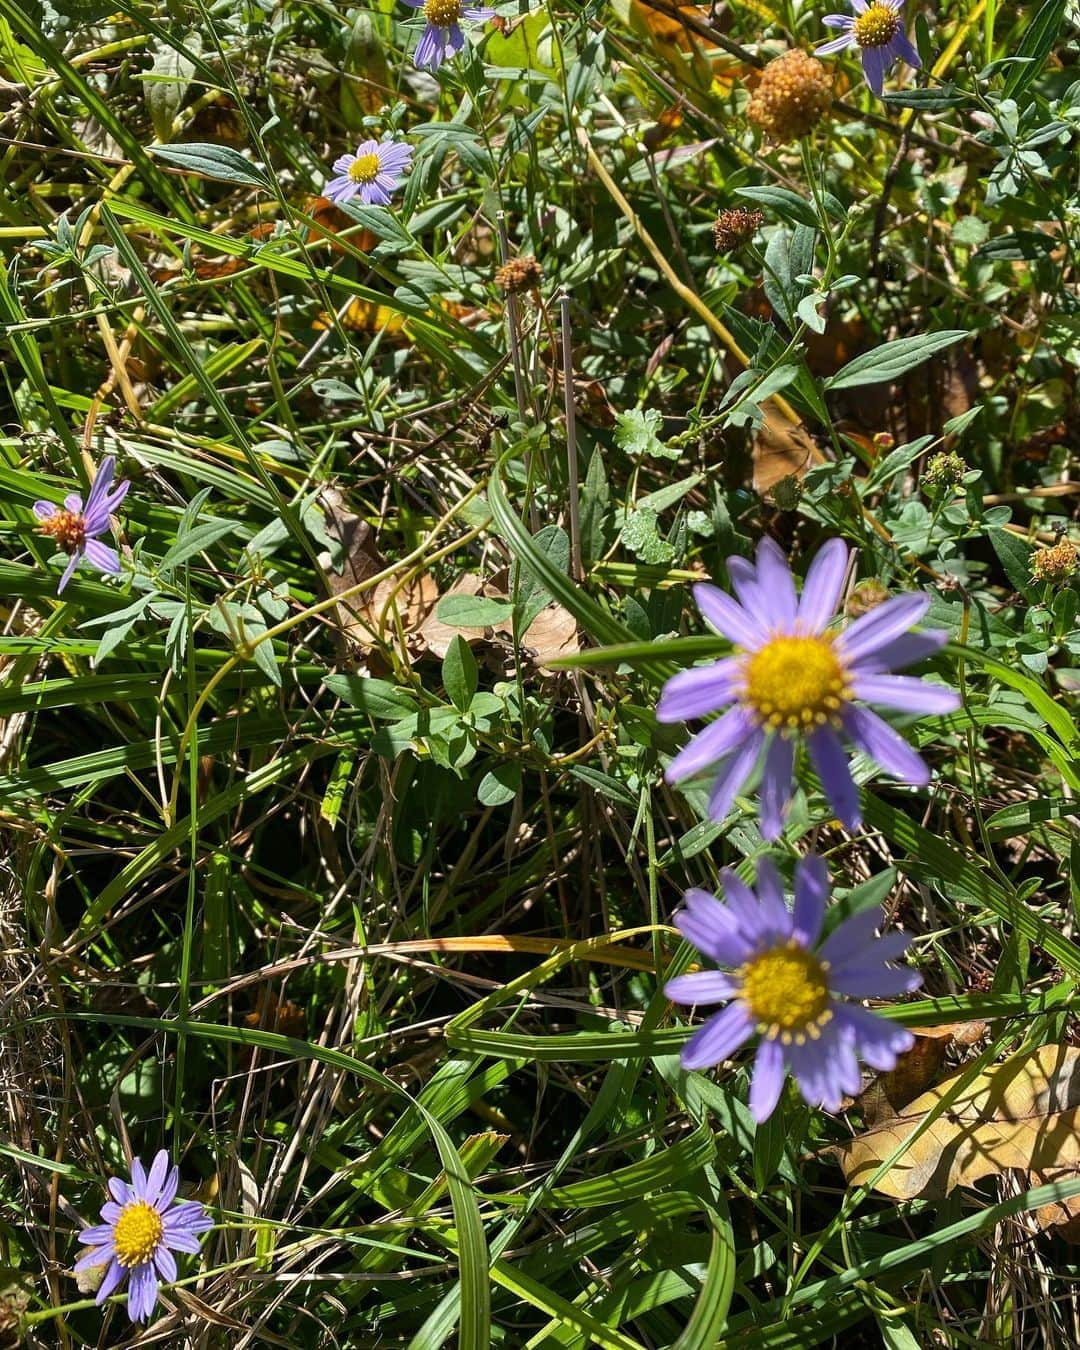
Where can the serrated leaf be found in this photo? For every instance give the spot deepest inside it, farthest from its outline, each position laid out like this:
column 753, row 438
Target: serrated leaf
column 636, row 433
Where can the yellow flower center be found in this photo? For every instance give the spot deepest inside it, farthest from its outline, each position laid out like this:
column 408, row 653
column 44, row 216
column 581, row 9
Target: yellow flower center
column 787, row 992
column 442, row 13
column 876, row 26
column 795, row 683
column 364, row 168
column 137, row 1233
column 67, row 528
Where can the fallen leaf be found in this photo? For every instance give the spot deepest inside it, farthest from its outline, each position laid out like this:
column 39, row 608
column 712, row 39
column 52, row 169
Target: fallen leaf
column 781, row 449
column 365, row 316
column 438, row 635
column 331, row 220
column 890, row 1092
column 1023, row 1114
column 553, row 633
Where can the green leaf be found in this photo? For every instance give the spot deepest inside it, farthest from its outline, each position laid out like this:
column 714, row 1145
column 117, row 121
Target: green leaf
column 214, row 161
column 636, row 432
column 893, row 359
column 1035, row 46
column 460, row 673
column 1015, row 557
column 499, row 785
column 473, row 611
column 783, row 203
column 378, row 698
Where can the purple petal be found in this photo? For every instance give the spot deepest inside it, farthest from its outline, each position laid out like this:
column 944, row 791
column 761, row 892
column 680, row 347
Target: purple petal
column 732, row 774
column 906, row 50
column 776, row 586
column 168, row 1190
column 159, row 1170
column 826, row 1068
column 884, row 622
column 103, row 557
column 906, row 692
column 851, row 939
column 120, row 1191
column 113, row 1277
column 776, row 785
column 719, row 1038
column 97, row 1236
column 836, row 45
column 885, row 746
column 341, row 190
column 45, row 510
column 902, row 651
column 190, row 1216
column 824, row 582
column 416, row 4
column 768, row 1080
column 859, row 6
column 711, row 927
column 343, row 164
column 431, row 49
column 138, row 1179
column 727, row 617
column 142, row 1292
column 455, row 38
column 711, row 745
column 181, row 1240
column 368, row 147
column 73, row 562
column 166, row 1263
column 874, row 981
column 478, row 13
column 844, row 21
column 743, row 576
column 374, row 195
column 73, row 503
column 831, row 765
column 875, row 62
column 770, row 891
column 876, row 1039
column 96, row 1255
column 701, row 986
column 700, row 690
column 111, row 1211
column 99, row 490
column 394, row 156
column 744, row 907
column 811, row 897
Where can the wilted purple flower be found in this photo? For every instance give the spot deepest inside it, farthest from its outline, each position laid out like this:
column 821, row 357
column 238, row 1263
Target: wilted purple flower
column 141, row 1230
column 878, row 31
column 784, row 986
column 790, row 678
column 373, row 172
column 76, row 530
column 443, row 30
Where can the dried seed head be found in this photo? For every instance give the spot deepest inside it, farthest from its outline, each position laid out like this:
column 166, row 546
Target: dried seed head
column 787, row 492
column 734, row 227
column 793, row 95
column 519, row 274
column 866, row 596
column 944, row 469
column 11, row 1334
column 1056, row 564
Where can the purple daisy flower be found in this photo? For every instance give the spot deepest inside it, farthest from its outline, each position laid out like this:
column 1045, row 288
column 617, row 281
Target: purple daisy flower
column 443, row 31
column 373, row 172
column 76, row 529
column 143, row 1225
column 792, row 678
column 878, row 31
column 784, row 985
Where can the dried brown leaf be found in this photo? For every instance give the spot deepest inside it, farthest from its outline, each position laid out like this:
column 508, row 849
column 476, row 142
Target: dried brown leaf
column 1023, row 1113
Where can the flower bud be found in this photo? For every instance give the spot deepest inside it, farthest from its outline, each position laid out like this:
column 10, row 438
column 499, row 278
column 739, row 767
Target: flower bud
column 944, row 469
